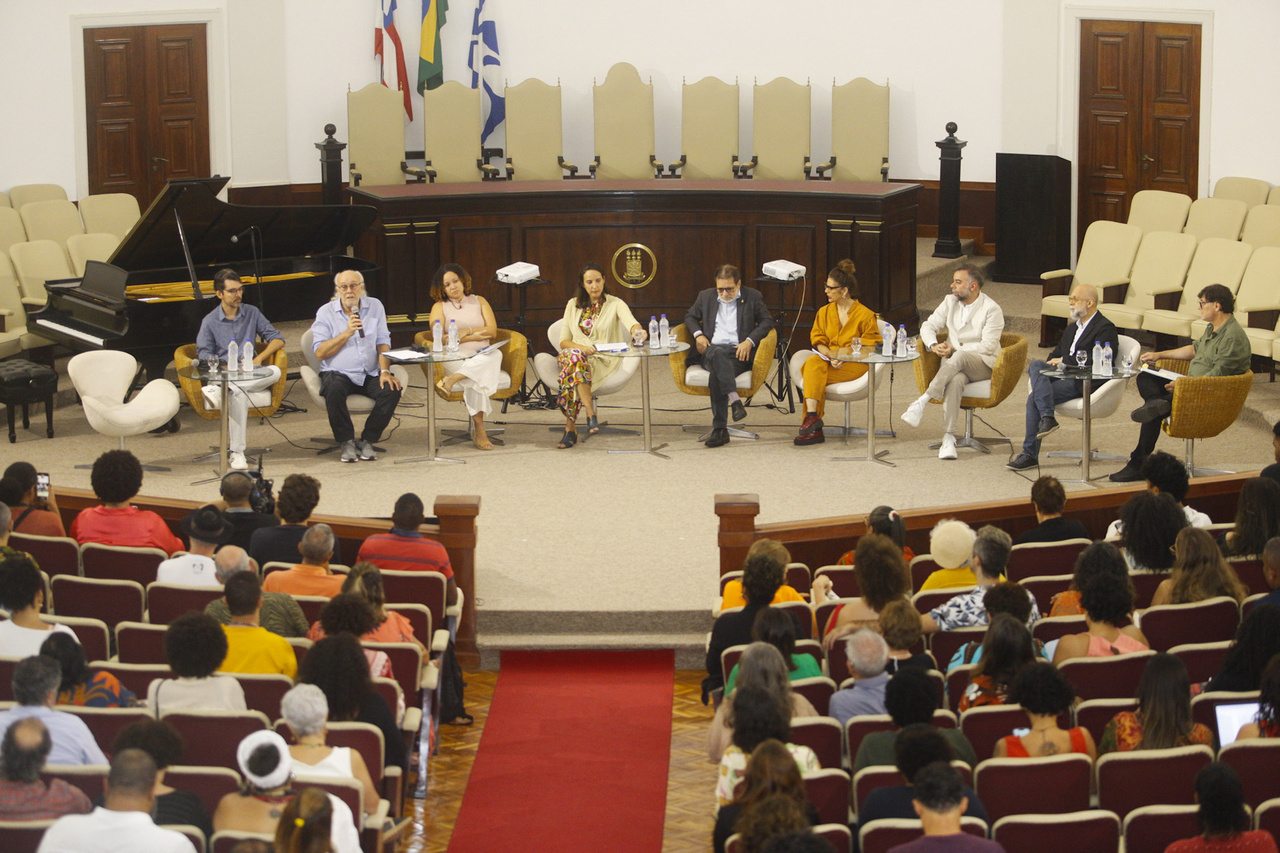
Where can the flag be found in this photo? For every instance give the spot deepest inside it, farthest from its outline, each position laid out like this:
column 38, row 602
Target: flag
column 430, row 64
column 387, row 23
column 486, row 67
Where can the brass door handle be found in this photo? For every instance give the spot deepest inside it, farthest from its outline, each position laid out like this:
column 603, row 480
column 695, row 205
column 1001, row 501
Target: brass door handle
column 1147, row 160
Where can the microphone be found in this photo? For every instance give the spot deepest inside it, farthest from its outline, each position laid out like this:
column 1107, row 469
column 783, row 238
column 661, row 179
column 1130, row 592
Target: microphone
column 356, row 314
column 235, row 238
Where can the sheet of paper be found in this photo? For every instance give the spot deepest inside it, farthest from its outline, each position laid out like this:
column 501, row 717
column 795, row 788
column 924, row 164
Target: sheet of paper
column 1164, row 374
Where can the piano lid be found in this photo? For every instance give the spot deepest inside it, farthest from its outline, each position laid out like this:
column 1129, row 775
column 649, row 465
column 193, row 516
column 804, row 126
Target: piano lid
column 287, row 232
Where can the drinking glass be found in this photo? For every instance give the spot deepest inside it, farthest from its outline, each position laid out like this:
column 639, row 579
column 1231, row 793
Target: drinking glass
column 1126, row 363
column 857, row 346
column 1081, row 357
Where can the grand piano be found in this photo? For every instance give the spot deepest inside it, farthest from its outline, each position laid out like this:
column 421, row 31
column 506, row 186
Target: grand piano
column 300, row 248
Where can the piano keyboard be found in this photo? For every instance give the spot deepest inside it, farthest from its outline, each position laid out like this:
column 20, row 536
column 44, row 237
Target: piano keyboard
column 68, row 330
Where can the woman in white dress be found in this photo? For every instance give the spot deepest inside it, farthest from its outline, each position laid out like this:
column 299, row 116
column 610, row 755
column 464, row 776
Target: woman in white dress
column 477, row 376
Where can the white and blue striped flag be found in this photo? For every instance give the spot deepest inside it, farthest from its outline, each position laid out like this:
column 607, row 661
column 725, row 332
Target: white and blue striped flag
column 486, row 65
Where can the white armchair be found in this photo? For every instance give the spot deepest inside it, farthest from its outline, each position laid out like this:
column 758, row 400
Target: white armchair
column 548, row 369
column 838, row 392
column 1103, row 402
column 102, row 379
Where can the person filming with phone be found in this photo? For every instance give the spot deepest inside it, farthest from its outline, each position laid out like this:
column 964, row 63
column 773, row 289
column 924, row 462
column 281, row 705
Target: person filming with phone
column 31, row 501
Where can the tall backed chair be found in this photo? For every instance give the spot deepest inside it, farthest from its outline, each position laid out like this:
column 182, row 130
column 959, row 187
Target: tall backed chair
column 1203, row 407
column 451, row 134
column 98, row 246
column 779, row 132
column 1257, row 299
column 1212, row 620
column 694, row 380
column 1159, row 210
column 535, row 142
column 859, row 132
column 51, row 220
column 1105, row 259
column 24, row 194
column 1159, row 270
column 839, row 392
column 1217, row 261
column 263, row 404
column 1262, row 226
column 708, row 130
column 986, row 394
column 1106, row 678
column 375, row 137
column 36, row 262
column 110, row 213
column 515, row 356
column 309, row 370
column 1251, row 191
column 624, row 125
column 11, row 228
column 1216, row 217
column 547, row 367
column 102, row 379
column 1148, row 777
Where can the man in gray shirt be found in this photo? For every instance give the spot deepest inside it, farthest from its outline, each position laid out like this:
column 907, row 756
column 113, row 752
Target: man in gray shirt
column 868, row 655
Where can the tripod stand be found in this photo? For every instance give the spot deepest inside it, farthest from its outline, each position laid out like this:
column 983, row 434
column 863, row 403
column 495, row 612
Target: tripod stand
column 782, row 386
column 520, row 323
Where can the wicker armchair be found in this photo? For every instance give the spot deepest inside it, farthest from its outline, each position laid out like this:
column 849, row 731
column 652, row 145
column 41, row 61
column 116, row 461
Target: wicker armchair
column 515, row 356
column 185, row 355
column 693, row 380
column 987, row 394
column 1203, row 406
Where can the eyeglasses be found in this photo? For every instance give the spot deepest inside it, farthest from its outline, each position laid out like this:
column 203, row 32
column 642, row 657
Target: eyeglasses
column 1203, row 303
column 234, row 291
column 349, row 286
column 1076, row 300
column 829, row 287
column 729, row 289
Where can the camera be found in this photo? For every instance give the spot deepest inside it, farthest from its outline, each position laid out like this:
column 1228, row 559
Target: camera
column 261, row 497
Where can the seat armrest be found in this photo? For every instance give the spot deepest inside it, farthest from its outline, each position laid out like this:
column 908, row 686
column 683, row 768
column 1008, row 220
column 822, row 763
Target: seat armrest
column 439, row 639
column 431, row 173
column 679, row 164
column 657, row 165
column 413, row 171
column 393, row 789
column 1167, row 288
column 593, row 165
column 1115, row 293
column 430, row 678
column 1262, row 318
column 744, row 168
column 1168, row 301
column 412, row 722
column 355, row 175
column 884, row 170
column 379, row 815
column 32, row 302
column 511, row 170
column 455, row 609
column 1055, row 283
column 567, row 166
column 489, row 172
column 822, row 168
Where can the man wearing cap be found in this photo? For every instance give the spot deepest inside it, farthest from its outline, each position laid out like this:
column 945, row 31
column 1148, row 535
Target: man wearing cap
column 205, row 529
column 951, row 546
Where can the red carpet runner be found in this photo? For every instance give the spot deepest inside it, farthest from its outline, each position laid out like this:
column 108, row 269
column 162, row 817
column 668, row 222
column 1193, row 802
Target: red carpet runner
column 574, row 755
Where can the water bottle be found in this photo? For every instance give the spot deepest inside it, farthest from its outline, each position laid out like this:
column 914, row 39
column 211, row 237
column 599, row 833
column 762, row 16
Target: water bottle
column 246, row 357
column 1108, row 366
column 437, row 337
column 654, row 343
column 886, row 332
column 233, row 356
column 452, row 346
column 664, row 332
column 902, row 341
column 1095, row 363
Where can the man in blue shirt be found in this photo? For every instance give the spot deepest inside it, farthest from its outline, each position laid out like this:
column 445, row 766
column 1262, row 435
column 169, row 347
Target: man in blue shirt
column 349, row 338
column 234, row 321
column 35, row 686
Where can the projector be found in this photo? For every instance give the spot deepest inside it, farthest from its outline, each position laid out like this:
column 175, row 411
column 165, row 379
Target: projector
column 783, row 270
column 518, row 273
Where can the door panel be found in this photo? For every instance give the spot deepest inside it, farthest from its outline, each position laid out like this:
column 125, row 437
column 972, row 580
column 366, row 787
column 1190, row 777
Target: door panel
column 1172, row 117
column 115, row 95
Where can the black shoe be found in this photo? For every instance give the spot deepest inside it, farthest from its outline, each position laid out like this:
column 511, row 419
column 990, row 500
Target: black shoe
column 718, row 438
column 1128, row 474
column 739, row 410
column 1152, row 410
column 1024, row 461
column 1047, row 426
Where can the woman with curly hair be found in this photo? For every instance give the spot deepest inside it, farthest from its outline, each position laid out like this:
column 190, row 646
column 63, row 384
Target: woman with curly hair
column 1257, row 519
column 1149, row 524
column 1199, row 572
column 337, row 666
column 1100, row 557
column 1006, row 650
column 886, row 521
column 1163, row 718
column 882, row 577
column 757, row 716
column 195, row 646
column 1257, row 641
column 1107, row 601
column 1224, row 820
column 1044, row 693
column 80, row 685
column 771, row 773
column 1267, row 723
column 761, row 666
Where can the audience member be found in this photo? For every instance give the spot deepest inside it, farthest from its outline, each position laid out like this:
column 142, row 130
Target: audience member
column 250, row 647
column 1267, row 723
column 299, row 495
column 124, row 821
column 1257, row 640
column 1108, row 603
column 940, row 801
column 22, row 594
column 337, row 666
column 116, row 479
column 348, row 613
column 1257, row 519
column 868, row 654
column 1049, row 499
column 1166, row 475
column 1004, row 597
column 23, row 794
column 1006, row 649
column 312, row 576
column 280, row 614
column 1149, row 525
column 882, row 577
column 950, row 546
column 236, row 488
column 1224, row 820
column 6, row 530
column 195, row 645
column 306, row 712
column 916, row 747
column 1199, row 571
column 771, row 772
column 886, row 521
column 32, row 515
column 35, row 687
column 777, row 628
column 990, row 558
column 1163, row 718
column 390, row 626
column 164, row 744
column 762, row 666
column 900, row 626
column 1271, row 571
column 406, row 548
column 1044, row 693
column 1096, row 558
column 911, row 698
column 734, row 594
column 81, row 685
column 770, row 817
column 763, row 573
column 757, row 716
column 1272, row 470
column 306, row 823
column 206, row 529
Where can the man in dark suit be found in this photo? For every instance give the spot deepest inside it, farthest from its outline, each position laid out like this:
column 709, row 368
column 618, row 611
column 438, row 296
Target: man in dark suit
column 727, row 324
column 1087, row 328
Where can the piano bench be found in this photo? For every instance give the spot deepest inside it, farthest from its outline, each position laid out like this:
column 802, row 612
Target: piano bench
column 25, row 382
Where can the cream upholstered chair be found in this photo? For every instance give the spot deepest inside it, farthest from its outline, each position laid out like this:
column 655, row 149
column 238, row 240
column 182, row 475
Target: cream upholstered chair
column 102, row 378
column 1273, row 197
column 535, row 142
column 695, row 379
column 987, row 394
column 35, row 263
column 90, row 247
column 4, row 199
column 451, row 134
column 14, row 337
column 1257, row 302
column 1203, row 406
column 515, row 356
column 1159, row 210
column 624, row 125
column 1251, row 191
column 1103, row 401
column 51, row 220
column 1105, row 260
column 1157, row 276
column 859, row 132
column 1217, row 261
column 838, row 392
column 309, row 370
column 110, row 213
column 547, row 367
column 708, row 130
column 27, row 193
column 1216, row 217
column 1262, row 226
column 779, row 132
column 13, row 231
column 375, row 129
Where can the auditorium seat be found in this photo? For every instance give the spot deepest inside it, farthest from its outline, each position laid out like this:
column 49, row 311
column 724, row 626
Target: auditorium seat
column 800, row 615
column 452, row 126
column 927, row 600
column 828, row 790
column 1218, row 260
column 1203, row 660
column 1246, row 606
column 139, row 642
column 985, row 725
column 134, row 676
column 694, row 379
column 1203, row 705
column 119, row 562
column 921, row 566
column 844, row 583
column 859, row 132
column 56, row 555
column 1256, row 761
column 112, row 601
column 1147, row 777
column 881, row 836
column 1267, row 816
column 1095, row 830
column 93, row 634
column 110, row 213
column 1262, row 227
column 623, row 114
column 210, row 784
column 1158, row 270
column 1145, row 585
column 11, row 229
column 708, row 130
column 1251, row 191
column 7, row 665
column 106, row 723
column 24, row 194
column 985, row 394
column 22, row 836
column 86, row 777
column 55, row 220
column 780, row 112
column 264, row 691
column 957, row 683
column 167, row 601
column 1159, row 210
column 366, row 739
column 1113, row 677
column 1043, row 588
column 406, row 664
column 36, row 262
column 1032, row 559
column 1216, row 217
column 1051, row 784
column 1094, row 714
column 1105, row 258
column 818, row 690
column 1249, row 571
column 212, row 737
column 96, row 246
column 1210, row 621
column 824, row 736
column 1151, row 829
column 227, row 840
column 944, row 644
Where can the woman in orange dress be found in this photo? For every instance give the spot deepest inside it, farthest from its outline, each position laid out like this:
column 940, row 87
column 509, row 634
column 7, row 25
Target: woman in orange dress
column 1163, row 718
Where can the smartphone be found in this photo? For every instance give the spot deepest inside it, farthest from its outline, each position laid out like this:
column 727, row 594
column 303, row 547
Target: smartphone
column 42, row 486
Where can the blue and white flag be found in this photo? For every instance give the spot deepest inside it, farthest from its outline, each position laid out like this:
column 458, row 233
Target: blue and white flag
column 486, row 66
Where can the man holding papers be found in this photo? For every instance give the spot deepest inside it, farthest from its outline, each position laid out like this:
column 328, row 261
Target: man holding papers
column 1223, row 350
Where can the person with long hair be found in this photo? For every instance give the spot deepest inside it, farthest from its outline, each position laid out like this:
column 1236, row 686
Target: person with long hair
column 1108, row 603
column 1256, row 642
column 882, row 577
column 477, row 374
column 305, row 823
column 1199, row 571
column 591, row 316
column 1163, row 718
column 771, row 817
column 762, row 666
column 835, row 327
column 365, row 580
column 886, row 521
column 338, row 666
column 22, row 593
column 1006, row 650
column 1149, row 524
column 757, row 716
column 1044, row 693
column 1267, row 723
column 1098, row 558
column 80, row 685
column 778, row 629
column 771, row 772
column 1257, row 519
column 1224, row 820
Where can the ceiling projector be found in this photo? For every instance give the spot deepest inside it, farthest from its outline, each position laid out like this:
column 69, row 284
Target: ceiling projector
column 783, row 270
column 518, row 273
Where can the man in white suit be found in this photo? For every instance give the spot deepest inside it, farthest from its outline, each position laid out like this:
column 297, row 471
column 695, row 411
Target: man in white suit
column 973, row 323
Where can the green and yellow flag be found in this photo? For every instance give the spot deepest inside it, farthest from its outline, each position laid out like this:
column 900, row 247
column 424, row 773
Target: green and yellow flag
column 430, row 64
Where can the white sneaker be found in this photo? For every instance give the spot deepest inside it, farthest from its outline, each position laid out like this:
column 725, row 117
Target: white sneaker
column 236, row 460
column 948, row 448
column 915, row 411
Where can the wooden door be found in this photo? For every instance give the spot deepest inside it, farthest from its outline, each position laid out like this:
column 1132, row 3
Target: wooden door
column 147, row 100
column 1139, row 114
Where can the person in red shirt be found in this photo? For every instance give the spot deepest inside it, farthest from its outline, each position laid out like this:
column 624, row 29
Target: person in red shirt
column 405, row 548
column 1224, row 822
column 116, row 479
column 312, row 576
